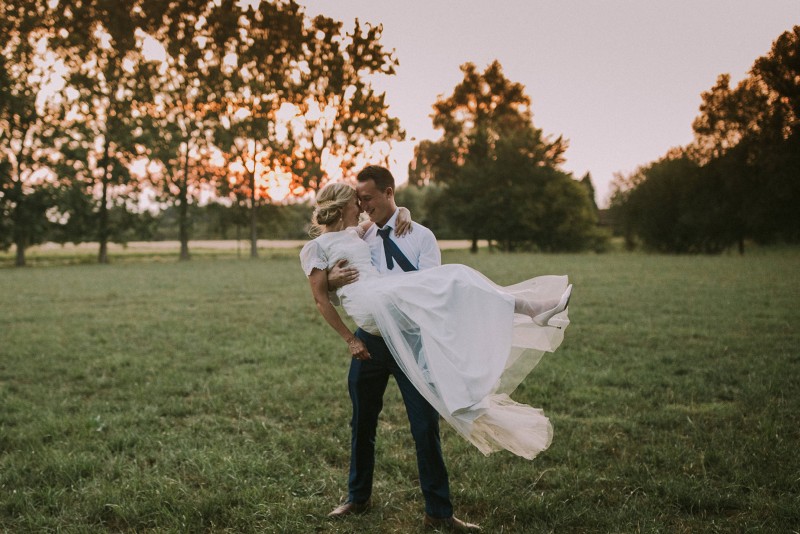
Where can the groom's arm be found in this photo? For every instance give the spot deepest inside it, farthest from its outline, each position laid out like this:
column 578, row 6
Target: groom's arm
column 340, row 275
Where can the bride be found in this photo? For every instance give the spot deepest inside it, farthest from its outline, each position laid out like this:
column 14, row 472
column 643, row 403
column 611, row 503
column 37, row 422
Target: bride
column 463, row 341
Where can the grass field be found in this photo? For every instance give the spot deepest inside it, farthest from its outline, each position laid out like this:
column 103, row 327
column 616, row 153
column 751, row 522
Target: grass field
column 209, row 396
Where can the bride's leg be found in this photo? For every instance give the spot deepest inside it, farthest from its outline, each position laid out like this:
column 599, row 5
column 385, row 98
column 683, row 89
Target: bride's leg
column 533, row 307
column 541, row 311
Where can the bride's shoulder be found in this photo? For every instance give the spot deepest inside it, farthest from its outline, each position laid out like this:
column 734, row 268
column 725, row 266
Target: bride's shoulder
column 309, row 246
column 316, row 245
column 323, row 238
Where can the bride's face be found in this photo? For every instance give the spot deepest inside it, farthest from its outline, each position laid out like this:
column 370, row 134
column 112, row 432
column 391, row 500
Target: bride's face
column 350, row 213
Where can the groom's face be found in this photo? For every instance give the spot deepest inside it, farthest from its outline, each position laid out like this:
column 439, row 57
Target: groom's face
column 378, row 205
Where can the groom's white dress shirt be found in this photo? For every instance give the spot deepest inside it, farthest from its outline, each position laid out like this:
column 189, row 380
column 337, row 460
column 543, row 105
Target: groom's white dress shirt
column 419, row 247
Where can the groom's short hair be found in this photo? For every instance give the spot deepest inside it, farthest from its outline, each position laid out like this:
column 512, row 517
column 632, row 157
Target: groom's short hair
column 381, row 175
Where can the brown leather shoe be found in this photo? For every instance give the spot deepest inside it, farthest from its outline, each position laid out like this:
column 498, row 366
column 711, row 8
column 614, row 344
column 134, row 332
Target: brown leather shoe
column 350, row 508
column 449, row 524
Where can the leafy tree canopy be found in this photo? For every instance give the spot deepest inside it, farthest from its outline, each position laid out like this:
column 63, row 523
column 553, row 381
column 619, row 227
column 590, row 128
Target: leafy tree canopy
column 739, row 178
column 499, row 173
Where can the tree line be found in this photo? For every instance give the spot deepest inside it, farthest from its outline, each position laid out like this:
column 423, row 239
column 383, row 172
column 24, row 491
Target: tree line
column 494, row 175
column 209, row 221
column 107, row 108
column 738, row 180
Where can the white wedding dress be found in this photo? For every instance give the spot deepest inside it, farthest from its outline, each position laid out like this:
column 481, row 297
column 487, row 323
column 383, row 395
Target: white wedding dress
column 455, row 335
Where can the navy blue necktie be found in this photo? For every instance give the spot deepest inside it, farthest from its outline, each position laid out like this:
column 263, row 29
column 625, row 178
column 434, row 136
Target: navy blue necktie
column 393, row 252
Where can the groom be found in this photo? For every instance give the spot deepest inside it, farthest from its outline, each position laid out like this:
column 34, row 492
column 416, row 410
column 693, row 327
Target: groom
column 368, row 378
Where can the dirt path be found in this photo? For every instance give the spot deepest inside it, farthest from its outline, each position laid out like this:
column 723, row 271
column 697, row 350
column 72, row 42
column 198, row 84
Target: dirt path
column 166, row 246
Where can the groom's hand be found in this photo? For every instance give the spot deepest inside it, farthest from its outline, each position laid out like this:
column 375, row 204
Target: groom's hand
column 340, row 275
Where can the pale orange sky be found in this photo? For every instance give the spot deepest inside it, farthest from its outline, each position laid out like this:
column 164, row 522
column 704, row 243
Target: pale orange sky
column 621, row 79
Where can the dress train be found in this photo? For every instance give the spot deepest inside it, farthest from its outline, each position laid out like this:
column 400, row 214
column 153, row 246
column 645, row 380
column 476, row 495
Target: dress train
column 479, row 408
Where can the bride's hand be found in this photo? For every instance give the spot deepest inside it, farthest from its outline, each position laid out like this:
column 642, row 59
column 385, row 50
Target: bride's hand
column 357, row 349
column 403, row 223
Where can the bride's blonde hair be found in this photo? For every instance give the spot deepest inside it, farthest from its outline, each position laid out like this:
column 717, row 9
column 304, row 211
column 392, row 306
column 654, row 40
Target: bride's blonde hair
column 331, row 200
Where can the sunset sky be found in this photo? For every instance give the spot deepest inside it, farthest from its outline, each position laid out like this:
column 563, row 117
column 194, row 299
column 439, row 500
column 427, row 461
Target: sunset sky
column 621, row 79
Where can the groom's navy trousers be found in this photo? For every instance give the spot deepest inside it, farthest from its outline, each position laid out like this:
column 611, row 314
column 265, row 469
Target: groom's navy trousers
column 367, row 383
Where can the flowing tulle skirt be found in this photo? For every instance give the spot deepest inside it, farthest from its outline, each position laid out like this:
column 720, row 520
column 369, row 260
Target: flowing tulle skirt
column 455, row 335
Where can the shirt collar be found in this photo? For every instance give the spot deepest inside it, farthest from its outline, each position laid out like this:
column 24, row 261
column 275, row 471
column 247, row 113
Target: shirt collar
column 391, row 222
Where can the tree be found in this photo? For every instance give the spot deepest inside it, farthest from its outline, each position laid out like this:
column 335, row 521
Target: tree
column 731, row 132
column 738, row 179
column 728, row 117
column 653, row 208
column 780, row 168
column 780, row 71
column 29, row 124
column 101, row 47
column 491, row 160
column 676, row 205
column 261, row 72
column 586, row 182
column 341, row 116
column 182, row 108
column 743, row 139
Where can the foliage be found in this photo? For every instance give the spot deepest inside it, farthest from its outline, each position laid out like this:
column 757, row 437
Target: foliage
column 668, row 209
column 300, row 100
column 181, row 108
column 730, row 116
column 217, row 221
column 101, row 102
column 417, row 200
column 586, row 182
column 499, row 174
column 780, row 70
column 264, row 77
column 738, row 179
column 341, row 116
column 102, row 87
column 29, row 128
column 522, row 206
column 209, row 403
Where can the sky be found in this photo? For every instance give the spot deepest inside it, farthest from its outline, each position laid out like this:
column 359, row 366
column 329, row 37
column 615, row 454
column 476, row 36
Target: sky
column 620, row 79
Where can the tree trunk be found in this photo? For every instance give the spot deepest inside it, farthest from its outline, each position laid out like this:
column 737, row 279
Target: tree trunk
column 253, row 216
column 20, row 228
column 741, row 246
column 474, row 247
column 238, row 237
column 21, row 238
column 102, row 255
column 183, row 224
column 102, row 219
column 183, row 209
column 21, row 245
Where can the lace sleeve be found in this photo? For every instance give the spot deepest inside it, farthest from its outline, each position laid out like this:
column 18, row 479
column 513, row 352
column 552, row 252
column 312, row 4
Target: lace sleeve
column 312, row 256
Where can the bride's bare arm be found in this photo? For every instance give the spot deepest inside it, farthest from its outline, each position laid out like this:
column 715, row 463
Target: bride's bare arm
column 318, row 279
column 403, row 222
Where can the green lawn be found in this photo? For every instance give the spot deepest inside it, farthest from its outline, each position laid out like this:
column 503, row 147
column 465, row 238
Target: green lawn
column 209, row 396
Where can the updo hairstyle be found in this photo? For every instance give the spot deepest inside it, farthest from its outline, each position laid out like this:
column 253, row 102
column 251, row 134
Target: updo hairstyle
column 331, row 200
